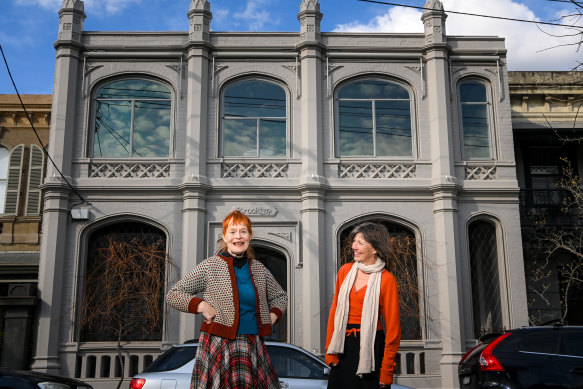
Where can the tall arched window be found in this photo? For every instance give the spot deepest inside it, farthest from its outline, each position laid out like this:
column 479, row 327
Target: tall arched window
column 132, row 119
column 123, row 290
column 405, row 247
column 485, row 277
column 254, row 119
column 374, row 119
column 4, row 162
column 475, row 120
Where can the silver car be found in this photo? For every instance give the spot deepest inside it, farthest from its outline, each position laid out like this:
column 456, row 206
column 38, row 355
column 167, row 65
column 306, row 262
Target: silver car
column 295, row 367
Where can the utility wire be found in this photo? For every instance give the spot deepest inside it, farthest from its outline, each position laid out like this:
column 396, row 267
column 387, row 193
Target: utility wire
column 472, row 14
column 36, row 133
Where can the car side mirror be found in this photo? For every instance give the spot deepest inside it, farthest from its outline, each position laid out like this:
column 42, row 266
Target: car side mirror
column 326, row 371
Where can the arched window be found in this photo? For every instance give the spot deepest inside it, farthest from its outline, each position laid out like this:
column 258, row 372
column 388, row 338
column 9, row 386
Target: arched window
column 374, row 119
column 485, row 278
column 405, row 247
column 475, row 120
column 4, row 162
column 124, row 284
column 132, row 119
column 254, row 119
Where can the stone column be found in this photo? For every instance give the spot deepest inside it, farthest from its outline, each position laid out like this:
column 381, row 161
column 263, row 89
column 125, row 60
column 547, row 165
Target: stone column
column 444, row 192
column 56, row 192
column 312, row 307
column 195, row 183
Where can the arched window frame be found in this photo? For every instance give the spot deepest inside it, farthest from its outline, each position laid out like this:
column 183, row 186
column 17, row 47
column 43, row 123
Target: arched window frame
column 82, row 265
column 411, row 151
column 500, row 267
column 4, row 166
column 224, row 117
column 131, row 152
column 487, row 104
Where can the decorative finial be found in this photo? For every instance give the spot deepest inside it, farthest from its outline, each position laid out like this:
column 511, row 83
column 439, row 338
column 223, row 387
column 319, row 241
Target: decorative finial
column 200, row 5
column 199, row 17
column 310, row 5
column 73, row 4
column 435, row 5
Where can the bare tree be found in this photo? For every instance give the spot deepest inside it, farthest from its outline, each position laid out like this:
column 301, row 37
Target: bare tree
column 123, row 292
column 566, row 243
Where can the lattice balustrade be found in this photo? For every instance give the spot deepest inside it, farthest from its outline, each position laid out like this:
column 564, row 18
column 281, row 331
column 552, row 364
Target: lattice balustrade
column 355, row 170
column 481, row 173
column 254, row 170
column 108, row 365
column 129, row 170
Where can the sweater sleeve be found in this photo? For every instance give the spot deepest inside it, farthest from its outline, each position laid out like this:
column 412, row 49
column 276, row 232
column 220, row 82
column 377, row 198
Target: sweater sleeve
column 182, row 295
column 333, row 358
column 276, row 296
column 390, row 311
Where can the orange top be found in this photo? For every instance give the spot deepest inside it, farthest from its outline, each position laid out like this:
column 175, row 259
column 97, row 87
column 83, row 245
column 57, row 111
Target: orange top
column 388, row 309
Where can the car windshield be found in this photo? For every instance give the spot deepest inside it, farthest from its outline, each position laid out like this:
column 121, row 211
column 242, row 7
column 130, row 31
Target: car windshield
column 172, row 359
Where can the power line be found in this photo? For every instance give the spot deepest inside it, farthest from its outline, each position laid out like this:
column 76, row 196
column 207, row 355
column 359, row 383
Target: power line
column 472, row 14
column 36, row 133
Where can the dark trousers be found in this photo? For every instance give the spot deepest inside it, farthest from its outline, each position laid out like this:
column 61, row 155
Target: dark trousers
column 343, row 376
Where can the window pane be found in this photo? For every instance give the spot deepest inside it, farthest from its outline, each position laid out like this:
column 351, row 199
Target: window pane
column 151, row 129
column 112, row 129
column 355, row 127
column 373, row 89
column 476, row 132
column 393, row 128
column 2, row 194
column 572, row 343
column 255, row 98
column 134, row 89
column 472, row 92
column 272, row 138
column 291, row 363
column 486, row 301
column 240, row 138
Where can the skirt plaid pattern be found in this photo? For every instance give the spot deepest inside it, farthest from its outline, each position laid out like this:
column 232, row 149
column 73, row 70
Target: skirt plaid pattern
column 242, row 363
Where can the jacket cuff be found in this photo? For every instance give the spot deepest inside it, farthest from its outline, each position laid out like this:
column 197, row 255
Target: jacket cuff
column 277, row 312
column 193, row 304
column 331, row 358
column 386, row 377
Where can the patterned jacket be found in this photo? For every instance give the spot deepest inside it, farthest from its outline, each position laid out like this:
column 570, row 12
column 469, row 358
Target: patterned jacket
column 215, row 278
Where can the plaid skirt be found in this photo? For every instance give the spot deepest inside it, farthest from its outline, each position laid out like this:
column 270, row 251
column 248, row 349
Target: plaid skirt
column 238, row 364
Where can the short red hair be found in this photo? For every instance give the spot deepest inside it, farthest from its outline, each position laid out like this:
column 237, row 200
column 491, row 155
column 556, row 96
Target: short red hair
column 237, row 218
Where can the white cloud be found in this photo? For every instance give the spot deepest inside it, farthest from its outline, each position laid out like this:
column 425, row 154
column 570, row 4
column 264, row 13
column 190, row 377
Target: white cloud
column 109, row 7
column 529, row 48
column 255, row 15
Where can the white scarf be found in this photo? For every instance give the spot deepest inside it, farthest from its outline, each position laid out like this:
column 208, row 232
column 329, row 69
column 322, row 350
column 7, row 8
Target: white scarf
column 369, row 318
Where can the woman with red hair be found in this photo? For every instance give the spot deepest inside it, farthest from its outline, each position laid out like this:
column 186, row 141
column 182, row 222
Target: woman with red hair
column 240, row 302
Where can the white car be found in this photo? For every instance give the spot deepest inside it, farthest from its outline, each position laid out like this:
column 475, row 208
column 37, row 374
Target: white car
column 295, row 367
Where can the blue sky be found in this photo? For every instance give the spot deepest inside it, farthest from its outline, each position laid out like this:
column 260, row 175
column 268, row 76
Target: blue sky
column 28, row 28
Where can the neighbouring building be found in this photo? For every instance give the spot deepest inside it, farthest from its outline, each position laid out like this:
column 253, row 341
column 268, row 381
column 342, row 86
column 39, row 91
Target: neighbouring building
column 22, row 166
column 546, row 117
column 161, row 134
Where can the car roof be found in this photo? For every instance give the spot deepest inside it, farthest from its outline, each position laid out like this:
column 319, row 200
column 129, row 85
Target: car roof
column 36, row 377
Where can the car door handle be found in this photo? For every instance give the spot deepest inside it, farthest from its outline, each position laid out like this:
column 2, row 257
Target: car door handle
column 578, row 370
column 283, row 384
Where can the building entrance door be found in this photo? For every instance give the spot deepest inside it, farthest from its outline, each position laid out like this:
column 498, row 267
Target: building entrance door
column 276, row 262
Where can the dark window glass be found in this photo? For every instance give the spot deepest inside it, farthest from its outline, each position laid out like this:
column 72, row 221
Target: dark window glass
column 123, row 290
column 172, row 359
column 254, row 119
column 374, row 119
column 475, row 123
column 543, row 343
column 486, row 302
column 290, row 363
column 132, row 119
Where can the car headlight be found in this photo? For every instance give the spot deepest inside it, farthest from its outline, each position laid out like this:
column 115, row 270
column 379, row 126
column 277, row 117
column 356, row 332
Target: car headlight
column 53, row 385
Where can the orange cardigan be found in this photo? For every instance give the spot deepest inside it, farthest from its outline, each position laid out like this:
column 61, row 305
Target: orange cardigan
column 388, row 308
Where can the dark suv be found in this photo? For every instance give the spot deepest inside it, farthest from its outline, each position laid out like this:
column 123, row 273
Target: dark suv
column 528, row 357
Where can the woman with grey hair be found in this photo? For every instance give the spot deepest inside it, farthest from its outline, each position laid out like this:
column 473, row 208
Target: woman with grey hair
column 361, row 355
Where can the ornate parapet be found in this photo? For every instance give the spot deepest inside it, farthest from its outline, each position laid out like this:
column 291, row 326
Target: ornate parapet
column 481, row 173
column 254, row 170
column 369, row 170
column 129, row 170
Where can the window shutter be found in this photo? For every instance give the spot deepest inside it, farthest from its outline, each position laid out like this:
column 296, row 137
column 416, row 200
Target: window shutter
column 13, row 182
column 35, row 176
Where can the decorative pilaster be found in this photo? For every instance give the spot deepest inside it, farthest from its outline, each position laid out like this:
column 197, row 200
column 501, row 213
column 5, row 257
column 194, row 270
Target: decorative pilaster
column 434, row 22
column 199, row 26
column 71, row 20
column 310, row 18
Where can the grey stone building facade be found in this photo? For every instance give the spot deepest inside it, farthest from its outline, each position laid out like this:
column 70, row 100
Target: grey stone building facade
column 309, row 133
